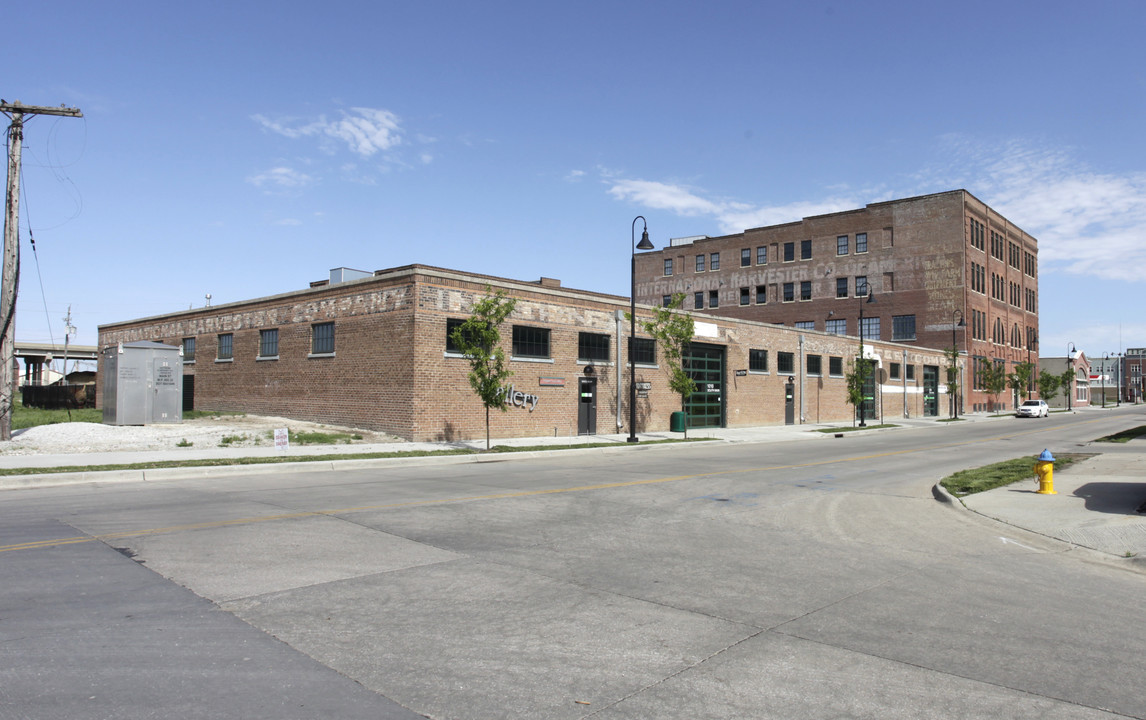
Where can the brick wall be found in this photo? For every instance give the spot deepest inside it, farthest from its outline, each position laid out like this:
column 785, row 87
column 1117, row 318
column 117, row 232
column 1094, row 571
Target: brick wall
column 390, row 370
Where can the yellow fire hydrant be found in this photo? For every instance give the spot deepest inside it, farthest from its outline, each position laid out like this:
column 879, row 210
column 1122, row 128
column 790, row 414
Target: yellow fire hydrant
column 1044, row 471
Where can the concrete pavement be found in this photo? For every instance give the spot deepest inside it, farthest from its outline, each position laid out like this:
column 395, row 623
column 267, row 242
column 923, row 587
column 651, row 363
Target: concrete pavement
column 1096, row 505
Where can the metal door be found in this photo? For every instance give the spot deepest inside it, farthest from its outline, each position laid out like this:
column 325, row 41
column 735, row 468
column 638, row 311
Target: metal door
column 930, row 390
column 705, row 365
column 587, row 407
column 790, row 402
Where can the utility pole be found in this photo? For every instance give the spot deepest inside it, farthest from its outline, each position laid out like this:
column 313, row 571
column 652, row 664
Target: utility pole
column 11, row 272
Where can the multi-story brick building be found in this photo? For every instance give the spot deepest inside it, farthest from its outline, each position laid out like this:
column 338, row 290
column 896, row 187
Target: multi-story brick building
column 371, row 350
column 941, row 270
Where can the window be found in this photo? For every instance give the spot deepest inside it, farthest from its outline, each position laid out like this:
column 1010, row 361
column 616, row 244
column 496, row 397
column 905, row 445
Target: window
column 322, row 339
column 785, row 363
column 805, row 289
column 758, row 360
column 745, row 257
column 643, row 351
column 841, row 287
column 189, row 350
column 842, row 245
column 592, row 347
column 902, row 327
column 910, row 372
column 861, row 242
column 805, row 324
column 789, row 251
column 714, row 261
column 813, row 365
column 789, row 292
column 451, row 325
column 836, row 326
column 666, row 300
column 668, row 266
column 805, row 249
column 700, row 263
column 268, row 343
column 895, row 371
column 861, row 285
column 698, row 301
column 225, row 351
column 761, row 294
column 870, row 329
column 762, row 255
column 836, row 366
column 745, row 296
column 713, row 298
column 530, row 342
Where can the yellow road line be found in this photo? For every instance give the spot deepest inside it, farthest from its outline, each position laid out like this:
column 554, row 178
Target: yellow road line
column 496, row 496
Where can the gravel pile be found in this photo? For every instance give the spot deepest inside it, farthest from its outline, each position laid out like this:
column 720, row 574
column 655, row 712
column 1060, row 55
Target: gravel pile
column 223, row 431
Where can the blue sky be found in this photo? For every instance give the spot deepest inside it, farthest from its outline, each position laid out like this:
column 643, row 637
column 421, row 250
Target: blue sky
column 245, row 149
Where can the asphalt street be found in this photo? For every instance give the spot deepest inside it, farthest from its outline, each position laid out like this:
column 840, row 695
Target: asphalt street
column 814, row 577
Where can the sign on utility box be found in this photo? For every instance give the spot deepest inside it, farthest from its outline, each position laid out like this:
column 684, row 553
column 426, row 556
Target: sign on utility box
column 142, row 384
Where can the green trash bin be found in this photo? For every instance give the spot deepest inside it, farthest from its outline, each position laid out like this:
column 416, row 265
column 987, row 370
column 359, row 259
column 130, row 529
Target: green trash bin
column 677, row 422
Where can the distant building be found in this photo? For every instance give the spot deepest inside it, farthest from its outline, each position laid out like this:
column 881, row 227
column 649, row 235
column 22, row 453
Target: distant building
column 1077, row 394
column 929, row 264
column 372, row 350
column 1132, row 380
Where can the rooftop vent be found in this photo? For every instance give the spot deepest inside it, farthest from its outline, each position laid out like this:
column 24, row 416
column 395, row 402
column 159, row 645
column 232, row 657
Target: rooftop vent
column 345, row 274
column 675, row 242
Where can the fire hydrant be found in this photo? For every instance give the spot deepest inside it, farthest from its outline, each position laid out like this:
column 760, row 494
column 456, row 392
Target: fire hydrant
column 1044, row 471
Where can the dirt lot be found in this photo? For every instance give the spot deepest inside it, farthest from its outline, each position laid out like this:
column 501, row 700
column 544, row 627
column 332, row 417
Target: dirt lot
column 209, row 432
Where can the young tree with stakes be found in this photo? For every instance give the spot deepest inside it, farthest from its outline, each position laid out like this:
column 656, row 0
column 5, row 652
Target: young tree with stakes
column 673, row 330
column 479, row 339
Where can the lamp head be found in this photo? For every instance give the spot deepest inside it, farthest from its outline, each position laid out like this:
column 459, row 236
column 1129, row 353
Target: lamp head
column 645, row 243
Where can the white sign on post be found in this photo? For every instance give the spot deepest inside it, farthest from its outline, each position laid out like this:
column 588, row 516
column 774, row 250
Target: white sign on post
column 282, row 438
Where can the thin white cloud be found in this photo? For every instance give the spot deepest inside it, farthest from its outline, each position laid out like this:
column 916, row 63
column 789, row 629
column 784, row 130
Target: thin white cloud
column 288, row 222
column 281, row 178
column 365, row 131
column 575, row 176
column 730, row 216
column 1087, row 223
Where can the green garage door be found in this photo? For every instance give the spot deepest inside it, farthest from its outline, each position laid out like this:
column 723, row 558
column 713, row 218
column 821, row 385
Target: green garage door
column 705, row 365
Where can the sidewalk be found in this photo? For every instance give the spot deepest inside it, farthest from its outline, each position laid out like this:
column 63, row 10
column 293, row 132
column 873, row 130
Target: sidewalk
column 1096, row 505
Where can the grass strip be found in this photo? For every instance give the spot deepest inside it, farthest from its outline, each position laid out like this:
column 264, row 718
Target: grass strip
column 278, row 459
column 1125, row 436
column 989, row 477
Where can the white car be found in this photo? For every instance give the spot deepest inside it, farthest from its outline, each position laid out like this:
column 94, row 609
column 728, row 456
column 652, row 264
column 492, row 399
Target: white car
column 1033, row 408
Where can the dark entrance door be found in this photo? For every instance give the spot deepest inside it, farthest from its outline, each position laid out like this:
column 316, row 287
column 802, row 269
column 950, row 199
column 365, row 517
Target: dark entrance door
column 790, row 402
column 930, row 390
column 587, row 407
column 705, row 365
column 188, row 392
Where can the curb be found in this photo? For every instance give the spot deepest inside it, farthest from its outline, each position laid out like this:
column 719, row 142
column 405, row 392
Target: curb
column 43, row 480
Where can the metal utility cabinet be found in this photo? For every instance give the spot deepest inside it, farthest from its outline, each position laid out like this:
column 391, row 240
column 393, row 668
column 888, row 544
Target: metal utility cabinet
column 142, row 384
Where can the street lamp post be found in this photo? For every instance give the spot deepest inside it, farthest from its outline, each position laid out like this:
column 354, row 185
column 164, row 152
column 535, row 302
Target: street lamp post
column 1070, row 368
column 645, row 244
column 954, row 361
column 863, row 361
column 1105, row 356
column 1032, row 340
column 1118, row 381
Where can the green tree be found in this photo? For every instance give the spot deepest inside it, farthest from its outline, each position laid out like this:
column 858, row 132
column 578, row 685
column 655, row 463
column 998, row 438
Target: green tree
column 859, row 370
column 1048, row 384
column 994, row 378
column 673, row 330
column 479, row 339
column 1066, row 384
column 952, row 355
column 1024, row 378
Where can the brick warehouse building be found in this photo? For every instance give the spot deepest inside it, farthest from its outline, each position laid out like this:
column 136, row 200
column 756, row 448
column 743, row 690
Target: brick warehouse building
column 929, row 262
column 372, row 352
